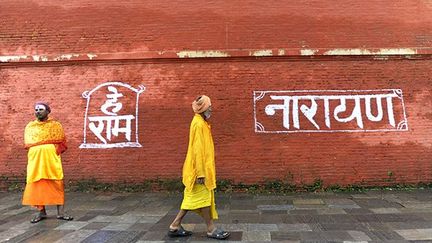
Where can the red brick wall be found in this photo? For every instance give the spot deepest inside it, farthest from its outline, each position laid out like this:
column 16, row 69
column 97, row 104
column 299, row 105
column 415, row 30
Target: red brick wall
column 138, row 43
column 107, row 26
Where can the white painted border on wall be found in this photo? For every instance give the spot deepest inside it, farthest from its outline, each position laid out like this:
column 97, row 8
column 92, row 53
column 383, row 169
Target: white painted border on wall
column 260, row 128
column 87, row 95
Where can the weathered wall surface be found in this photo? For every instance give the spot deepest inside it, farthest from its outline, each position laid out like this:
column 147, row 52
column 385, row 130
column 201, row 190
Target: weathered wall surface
column 55, row 52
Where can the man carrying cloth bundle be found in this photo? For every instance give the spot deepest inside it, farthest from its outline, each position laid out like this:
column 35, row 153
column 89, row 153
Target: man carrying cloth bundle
column 45, row 140
column 199, row 174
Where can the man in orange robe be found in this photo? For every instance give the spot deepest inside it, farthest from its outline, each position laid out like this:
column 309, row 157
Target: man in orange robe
column 199, row 174
column 45, row 140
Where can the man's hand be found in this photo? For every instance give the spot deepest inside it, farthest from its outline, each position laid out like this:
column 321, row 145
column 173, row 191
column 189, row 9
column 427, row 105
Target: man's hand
column 200, row 180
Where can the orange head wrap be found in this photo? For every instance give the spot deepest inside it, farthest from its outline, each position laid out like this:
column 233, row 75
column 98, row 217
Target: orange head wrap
column 201, row 104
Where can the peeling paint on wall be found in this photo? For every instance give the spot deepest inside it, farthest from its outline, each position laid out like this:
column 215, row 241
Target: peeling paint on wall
column 401, row 51
column 45, row 58
column 11, row 58
column 261, row 53
column 91, row 56
column 194, row 54
column 308, row 52
column 65, row 57
column 406, row 52
column 381, row 58
column 390, row 51
column 37, row 58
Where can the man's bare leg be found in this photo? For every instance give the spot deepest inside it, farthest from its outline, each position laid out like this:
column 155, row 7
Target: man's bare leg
column 61, row 214
column 42, row 212
column 176, row 229
column 60, row 210
column 40, row 216
column 208, row 220
column 212, row 231
column 177, row 221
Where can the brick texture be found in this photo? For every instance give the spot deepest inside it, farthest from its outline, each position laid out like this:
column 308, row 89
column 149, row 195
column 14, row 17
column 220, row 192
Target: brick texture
column 51, row 28
column 99, row 26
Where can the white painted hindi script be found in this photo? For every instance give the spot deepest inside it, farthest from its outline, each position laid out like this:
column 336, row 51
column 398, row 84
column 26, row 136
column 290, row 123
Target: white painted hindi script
column 107, row 124
column 329, row 111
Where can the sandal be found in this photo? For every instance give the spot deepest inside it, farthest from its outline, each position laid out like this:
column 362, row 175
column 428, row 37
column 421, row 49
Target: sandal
column 37, row 218
column 218, row 234
column 180, row 232
column 65, row 217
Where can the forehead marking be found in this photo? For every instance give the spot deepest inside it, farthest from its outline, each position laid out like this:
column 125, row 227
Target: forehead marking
column 40, row 107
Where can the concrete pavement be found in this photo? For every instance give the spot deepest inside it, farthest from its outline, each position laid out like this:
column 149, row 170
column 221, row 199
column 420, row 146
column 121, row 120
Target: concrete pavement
column 371, row 216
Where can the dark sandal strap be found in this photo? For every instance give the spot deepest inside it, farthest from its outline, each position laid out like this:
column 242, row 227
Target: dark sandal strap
column 219, row 234
column 179, row 232
column 37, row 218
column 65, row 217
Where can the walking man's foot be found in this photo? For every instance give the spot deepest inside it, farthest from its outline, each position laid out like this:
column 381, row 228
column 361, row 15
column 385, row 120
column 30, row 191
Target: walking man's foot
column 179, row 232
column 39, row 217
column 218, row 234
column 65, row 217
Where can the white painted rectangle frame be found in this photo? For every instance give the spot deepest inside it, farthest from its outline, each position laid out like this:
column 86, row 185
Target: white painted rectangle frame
column 259, row 128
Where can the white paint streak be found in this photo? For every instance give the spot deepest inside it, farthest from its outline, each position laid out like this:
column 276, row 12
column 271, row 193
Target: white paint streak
column 308, row 52
column 381, row 58
column 407, row 52
column 401, row 51
column 91, row 56
column 261, row 53
column 195, row 54
column 37, row 58
column 43, row 58
column 389, row 51
column 11, row 58
column 65, row 57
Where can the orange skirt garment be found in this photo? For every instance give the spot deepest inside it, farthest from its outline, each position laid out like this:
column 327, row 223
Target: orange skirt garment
column 44, row 192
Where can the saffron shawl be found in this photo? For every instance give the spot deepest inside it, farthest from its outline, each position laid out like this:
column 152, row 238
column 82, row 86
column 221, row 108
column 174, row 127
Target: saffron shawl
column 45, row 132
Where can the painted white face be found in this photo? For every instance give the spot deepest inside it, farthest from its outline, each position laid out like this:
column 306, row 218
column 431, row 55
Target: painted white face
column 39, row 108
column 41, row 112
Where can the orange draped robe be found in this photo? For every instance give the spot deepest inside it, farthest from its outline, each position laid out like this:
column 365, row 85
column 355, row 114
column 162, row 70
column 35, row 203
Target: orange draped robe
column 45, row 141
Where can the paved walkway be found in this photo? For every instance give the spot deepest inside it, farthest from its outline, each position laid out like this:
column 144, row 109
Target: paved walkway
column 374, row 216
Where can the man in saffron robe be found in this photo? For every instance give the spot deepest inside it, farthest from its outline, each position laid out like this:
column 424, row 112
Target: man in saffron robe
column 45, row 140
column 199, row 174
